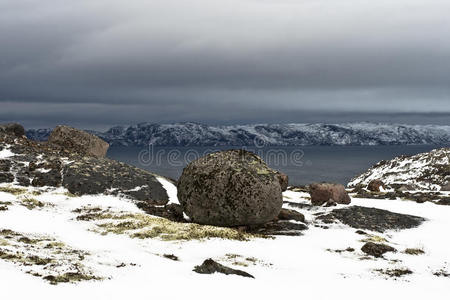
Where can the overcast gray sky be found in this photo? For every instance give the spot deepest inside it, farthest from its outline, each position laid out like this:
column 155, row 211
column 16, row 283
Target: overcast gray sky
column 96, row 63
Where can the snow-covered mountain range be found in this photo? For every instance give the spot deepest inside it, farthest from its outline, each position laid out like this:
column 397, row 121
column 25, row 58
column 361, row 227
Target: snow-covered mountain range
column 195, row 134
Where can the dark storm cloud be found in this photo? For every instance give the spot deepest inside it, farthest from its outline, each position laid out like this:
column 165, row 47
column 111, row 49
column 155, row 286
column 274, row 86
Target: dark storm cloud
column 98, row 62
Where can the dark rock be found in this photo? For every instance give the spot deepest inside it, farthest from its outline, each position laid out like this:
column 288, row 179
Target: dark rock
column 376, row 250
column 322, row 193
column 171, row 257
column 230, row 188
column 5, row 165
column 172, row 211
column 446, row 187
column 371, row 218
column 6, row 177
column 405, row 187
column 361, row 232
column 90, row 175
column 209, row 266
column 330, row 203
column 444, row 201
column 279, row 228
column 290, row 214
column 23, row 180
column 375, row 185
column 284, row 181
column 51, row 178
column 44, row 164
column 14, row 129
column 78, row 141
column 176, row 211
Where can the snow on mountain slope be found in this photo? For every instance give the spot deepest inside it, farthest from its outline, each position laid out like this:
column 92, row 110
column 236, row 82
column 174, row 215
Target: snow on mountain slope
column 426, row 171
column 116, row 265
column 194, row 134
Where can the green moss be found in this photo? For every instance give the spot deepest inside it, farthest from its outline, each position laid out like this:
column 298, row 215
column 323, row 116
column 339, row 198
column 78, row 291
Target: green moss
column 44, row 257
column 375, row 239
column 232, row 256
column 31, row 203
column 69, row 194
column 55, row 245
column 69, row 277
column 144, row 226
column 263, row 172
column 240, row 263
column 27, row 240
column 414, row 251
column 395, row 272
column 14, row 191
column 7, row 232
column 23, row 259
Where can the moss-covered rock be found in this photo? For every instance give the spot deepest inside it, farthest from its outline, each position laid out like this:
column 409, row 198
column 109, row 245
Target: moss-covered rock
column 230, row 188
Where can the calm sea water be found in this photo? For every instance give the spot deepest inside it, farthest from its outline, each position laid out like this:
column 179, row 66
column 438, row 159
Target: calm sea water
column 304, row 165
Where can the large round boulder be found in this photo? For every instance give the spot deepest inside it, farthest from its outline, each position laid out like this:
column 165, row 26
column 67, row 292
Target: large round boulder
column 230, row 188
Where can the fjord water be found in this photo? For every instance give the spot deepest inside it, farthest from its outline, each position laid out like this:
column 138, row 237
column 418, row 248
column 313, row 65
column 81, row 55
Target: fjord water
column 303, row 165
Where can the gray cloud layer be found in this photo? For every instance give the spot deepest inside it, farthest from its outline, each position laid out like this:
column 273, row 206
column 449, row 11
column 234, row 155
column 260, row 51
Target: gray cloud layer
column 101, row 62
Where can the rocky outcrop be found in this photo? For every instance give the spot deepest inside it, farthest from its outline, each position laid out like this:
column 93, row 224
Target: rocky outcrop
column 230, row 188
column 376, row 250
column 90, row 175
column 14, row 129
column 329, row 193
column 428, row 171
column 210, row 266
column 48, row 164
column 371, row 218
column 79, row 141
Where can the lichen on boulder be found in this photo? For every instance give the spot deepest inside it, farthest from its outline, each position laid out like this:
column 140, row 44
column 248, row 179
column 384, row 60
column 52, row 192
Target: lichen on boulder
column 230, row 188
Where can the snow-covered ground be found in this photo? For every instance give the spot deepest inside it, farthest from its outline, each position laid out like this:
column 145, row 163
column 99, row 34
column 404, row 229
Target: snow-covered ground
column 297, row 267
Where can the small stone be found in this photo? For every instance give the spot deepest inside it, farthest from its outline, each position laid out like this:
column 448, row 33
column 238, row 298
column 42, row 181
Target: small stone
column 209, row 266
column 377, row 250
column 375, row 185
column 290, row 214
column 322, row 193
column 171, row 257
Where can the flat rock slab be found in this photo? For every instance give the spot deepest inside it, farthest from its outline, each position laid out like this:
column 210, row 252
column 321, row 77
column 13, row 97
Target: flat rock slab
column 90, row 175
column 371, row 218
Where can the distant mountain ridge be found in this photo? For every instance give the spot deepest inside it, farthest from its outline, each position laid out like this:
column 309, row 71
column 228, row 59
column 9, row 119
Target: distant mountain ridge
column 195, row 134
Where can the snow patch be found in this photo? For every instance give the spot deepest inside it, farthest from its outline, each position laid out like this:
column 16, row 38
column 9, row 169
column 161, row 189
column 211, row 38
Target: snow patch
column 171, row 190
